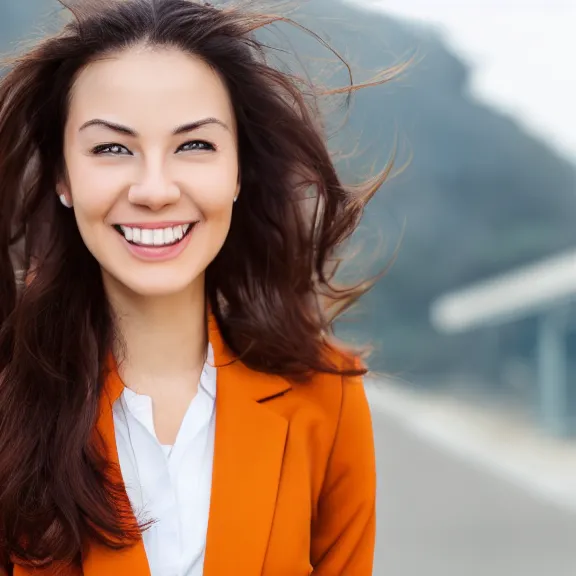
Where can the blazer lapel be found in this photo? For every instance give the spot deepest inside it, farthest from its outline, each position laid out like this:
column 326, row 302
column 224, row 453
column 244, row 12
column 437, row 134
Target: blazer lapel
column 249, row 449
column 97, row 559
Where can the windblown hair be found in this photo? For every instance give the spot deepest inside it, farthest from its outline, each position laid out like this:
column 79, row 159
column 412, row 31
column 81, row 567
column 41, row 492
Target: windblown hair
column 268, row 288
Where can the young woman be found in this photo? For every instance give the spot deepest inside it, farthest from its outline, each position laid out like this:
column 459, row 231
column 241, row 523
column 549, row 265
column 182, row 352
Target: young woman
column 171, row 399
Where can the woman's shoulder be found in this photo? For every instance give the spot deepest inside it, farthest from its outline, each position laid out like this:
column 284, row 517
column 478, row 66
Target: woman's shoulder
column 323, row 393
column 329, row 420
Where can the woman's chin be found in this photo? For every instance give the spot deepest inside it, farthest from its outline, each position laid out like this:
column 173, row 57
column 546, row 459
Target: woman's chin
column 154, row 284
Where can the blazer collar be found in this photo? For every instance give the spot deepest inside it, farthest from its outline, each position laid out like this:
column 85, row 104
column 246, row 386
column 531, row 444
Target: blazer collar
column 249, row 448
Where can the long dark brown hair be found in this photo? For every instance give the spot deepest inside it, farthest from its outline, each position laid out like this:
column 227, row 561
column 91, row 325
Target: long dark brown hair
column 270, row 288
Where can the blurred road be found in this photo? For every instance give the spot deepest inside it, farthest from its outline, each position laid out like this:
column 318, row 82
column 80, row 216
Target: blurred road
column 439, row 516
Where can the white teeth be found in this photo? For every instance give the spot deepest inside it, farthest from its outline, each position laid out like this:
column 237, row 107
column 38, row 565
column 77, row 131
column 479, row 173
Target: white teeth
column 158, row 237
column 147, row 237
column 155, row 236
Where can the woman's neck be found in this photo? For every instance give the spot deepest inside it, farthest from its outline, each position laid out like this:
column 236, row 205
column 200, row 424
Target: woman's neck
column 164, row 337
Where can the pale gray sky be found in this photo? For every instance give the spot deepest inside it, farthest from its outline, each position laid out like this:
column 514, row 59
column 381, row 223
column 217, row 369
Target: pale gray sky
column 522, row 53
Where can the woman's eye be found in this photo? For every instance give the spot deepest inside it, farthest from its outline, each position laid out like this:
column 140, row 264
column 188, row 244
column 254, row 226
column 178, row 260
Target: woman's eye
column 112, row 149
column 196, row 145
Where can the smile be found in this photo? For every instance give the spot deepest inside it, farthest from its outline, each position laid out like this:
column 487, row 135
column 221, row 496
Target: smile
column 152, row 237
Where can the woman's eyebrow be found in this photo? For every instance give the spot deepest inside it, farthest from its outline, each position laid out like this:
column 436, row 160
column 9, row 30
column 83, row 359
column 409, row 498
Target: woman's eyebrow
column 110, row 125
column 198, row 124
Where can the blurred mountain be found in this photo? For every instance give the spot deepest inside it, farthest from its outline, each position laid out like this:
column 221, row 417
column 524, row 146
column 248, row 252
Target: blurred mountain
column 478, row 197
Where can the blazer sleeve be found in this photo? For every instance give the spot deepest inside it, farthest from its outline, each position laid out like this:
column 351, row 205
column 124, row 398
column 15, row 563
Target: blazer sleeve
column 343, row 534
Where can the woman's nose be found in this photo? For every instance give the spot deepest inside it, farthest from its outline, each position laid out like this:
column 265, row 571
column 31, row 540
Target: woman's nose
column 155, row 191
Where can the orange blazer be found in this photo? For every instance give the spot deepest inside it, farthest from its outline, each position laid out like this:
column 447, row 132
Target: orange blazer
column 294, row 481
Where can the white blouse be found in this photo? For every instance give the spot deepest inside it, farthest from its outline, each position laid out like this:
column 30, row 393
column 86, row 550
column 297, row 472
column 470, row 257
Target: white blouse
column 170, row 484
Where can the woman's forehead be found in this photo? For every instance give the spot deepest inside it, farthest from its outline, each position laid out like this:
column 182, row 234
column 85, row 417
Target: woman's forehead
column 144, row 86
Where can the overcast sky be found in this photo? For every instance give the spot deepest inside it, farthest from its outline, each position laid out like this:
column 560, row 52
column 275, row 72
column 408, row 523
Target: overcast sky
column 523, row 53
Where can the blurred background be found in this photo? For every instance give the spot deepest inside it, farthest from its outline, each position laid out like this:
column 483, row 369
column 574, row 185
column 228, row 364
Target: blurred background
column 473, row 327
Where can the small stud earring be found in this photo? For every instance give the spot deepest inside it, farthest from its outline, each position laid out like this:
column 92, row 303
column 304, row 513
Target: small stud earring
column 64, row 201
column 235, row 198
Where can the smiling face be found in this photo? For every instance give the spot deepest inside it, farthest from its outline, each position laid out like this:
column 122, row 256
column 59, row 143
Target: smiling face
column 151, row 161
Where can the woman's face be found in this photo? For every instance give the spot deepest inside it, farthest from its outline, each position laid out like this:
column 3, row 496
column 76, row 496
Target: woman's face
column 152, row 167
